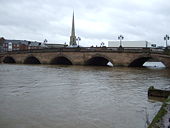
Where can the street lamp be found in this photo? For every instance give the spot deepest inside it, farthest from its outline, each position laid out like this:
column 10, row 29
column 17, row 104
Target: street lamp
column 45, row 41
column 78, row 39
column 120, row 38
column 166, row 38
column 102, row 44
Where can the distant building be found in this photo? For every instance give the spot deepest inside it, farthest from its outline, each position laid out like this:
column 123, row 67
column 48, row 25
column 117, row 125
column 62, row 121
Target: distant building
column 35, row 45
column 1, row 43
column 129, row 44
column 13, row 45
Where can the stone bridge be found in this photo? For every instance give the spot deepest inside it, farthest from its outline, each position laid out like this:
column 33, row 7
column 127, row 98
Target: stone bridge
column 129, row 57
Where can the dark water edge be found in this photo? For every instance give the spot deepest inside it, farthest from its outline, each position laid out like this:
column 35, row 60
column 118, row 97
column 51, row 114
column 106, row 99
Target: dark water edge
column 78, row 96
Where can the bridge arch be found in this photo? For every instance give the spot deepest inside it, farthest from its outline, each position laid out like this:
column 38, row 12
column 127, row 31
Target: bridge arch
column 139, row 62
column 31, row 60
column 9, row 60
column 98, row 60
column 61, row 60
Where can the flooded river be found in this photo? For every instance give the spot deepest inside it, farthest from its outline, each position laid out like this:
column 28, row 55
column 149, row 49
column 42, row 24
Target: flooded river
column 47, row 96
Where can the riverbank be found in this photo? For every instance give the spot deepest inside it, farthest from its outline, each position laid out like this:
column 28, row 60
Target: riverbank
column 162, row 118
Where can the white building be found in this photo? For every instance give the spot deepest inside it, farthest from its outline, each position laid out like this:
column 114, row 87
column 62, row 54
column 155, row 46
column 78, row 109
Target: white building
column 129, row 44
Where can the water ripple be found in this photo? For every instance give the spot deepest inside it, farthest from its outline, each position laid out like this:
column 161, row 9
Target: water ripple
column 78, row 96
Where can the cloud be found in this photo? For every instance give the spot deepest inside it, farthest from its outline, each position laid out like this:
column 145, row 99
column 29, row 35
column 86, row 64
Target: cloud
column 95, row 21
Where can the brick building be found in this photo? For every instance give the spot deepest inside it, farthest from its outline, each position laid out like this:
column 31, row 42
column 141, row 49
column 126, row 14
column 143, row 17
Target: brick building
column 13, row 45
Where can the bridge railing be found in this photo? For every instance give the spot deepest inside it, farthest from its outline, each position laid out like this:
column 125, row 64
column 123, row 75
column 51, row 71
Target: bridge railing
column 92, row 49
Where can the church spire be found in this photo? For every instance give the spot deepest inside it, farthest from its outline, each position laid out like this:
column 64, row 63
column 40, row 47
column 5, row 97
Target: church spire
column 73, row 37
column 73, row 28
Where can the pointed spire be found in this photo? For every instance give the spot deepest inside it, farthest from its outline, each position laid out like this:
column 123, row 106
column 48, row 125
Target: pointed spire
column 73, row 37
column 73, row 28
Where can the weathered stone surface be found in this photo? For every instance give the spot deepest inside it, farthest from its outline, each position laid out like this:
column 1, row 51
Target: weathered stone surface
column 78, row 57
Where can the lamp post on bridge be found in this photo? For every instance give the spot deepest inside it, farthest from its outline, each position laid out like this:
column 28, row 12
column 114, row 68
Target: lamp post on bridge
column 120, row 38
column 102, row 44
column 166, row 38
column 78, row 39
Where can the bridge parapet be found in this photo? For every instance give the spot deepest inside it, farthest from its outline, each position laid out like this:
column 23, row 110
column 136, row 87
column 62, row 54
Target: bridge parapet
column 91, row 49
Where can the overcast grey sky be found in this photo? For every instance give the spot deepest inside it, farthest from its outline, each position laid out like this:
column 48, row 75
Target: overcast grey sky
column 95, row 20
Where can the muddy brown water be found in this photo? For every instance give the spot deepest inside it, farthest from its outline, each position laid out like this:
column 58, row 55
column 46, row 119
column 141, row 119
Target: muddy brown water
column 47, row 96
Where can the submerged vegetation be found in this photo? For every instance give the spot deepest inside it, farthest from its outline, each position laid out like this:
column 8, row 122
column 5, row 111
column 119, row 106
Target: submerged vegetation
column 158, row 119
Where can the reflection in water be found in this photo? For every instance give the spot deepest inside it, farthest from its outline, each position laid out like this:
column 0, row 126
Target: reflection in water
column 77, row 96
